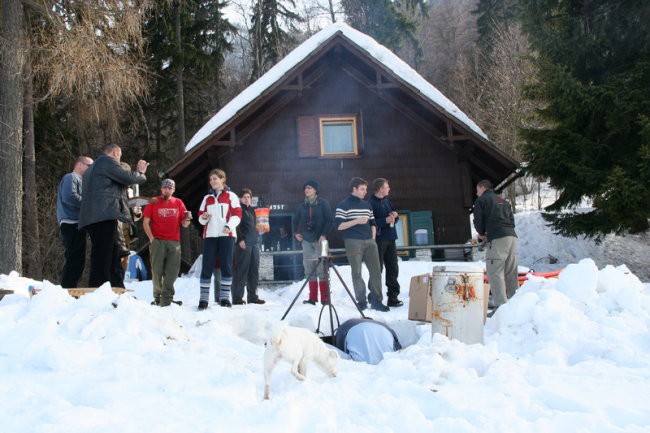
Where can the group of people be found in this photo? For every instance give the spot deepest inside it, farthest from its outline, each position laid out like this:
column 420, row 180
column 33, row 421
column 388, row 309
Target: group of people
column 93, row 198
column 369, row 235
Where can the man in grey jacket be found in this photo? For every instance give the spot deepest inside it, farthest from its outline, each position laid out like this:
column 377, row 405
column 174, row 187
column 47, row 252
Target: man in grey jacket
column 68, row 203
column 103, row 204
column 495, row 224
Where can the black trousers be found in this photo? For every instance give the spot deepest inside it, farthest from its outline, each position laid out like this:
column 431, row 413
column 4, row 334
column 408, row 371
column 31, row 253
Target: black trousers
column 388, row 259
column 74, row 243
column 104, row 254
column 246, row 265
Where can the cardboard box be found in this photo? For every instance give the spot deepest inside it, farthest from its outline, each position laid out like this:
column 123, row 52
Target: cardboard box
column 420, row 300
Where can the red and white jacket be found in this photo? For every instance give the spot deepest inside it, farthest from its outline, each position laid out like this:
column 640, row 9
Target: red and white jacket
column 224, row 210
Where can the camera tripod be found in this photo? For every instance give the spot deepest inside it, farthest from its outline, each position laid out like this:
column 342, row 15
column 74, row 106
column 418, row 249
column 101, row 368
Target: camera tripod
column 327, row 264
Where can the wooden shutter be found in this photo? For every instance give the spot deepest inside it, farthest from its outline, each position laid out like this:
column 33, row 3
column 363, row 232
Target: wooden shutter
column 308, row 137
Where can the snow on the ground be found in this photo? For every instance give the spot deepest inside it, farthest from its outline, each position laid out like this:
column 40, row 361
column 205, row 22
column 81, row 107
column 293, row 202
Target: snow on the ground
column 564, row 355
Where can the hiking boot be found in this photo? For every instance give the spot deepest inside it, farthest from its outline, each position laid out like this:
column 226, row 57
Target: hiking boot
column 380, row 307
column 394, row 302
column 325, row 302
column 238, row 302
column 203, row 305
column 309, row 301
column 225, row 303
column 154, row 303
column 362, row 306
column 257, row 301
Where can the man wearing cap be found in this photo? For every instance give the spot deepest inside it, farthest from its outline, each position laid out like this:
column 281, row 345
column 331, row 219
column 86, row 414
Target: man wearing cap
column 162, row 221
column 311, row 223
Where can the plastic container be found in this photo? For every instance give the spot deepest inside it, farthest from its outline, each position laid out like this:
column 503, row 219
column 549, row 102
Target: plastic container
column 458, row 301
column 421, row 237
column 262, row 220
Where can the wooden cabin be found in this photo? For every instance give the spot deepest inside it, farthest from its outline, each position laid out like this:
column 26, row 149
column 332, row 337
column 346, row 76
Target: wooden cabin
column 341, row 105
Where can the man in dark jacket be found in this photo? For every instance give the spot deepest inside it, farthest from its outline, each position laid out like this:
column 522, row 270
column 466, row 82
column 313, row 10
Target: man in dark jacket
column 385, row 217
column 247, row 254
column 495, row 224
column 103, row 204
column 312, row 222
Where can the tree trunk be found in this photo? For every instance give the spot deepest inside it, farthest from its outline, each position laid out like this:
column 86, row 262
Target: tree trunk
column 180, row 102
column 31, row 237
column 11, row 113
column 331, row 11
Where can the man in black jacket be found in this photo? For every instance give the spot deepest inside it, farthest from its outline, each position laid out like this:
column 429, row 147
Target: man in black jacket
column 385, row 217
column 246, row 261
column 103, row 203
column 495, row 224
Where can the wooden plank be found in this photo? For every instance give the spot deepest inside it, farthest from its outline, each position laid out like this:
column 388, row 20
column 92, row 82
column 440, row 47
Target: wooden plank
column 4, row 292
column 80, row 291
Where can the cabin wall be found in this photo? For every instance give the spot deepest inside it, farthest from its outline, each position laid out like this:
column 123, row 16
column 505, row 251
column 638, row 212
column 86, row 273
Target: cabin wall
column 423, row 174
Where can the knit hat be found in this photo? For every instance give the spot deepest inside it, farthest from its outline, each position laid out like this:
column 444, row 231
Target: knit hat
column 311, row 183
column 168, row 183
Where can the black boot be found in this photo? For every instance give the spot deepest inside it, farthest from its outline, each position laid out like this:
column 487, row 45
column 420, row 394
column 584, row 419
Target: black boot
column 394, row 302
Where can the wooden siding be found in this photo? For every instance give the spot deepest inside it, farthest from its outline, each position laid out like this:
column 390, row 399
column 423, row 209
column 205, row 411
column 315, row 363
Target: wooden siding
column 424, row 174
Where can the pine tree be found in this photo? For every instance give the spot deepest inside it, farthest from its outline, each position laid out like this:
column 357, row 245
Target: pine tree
column 11, row 146
column 270, row 42
column 188, row 40
column 385, row 20
column 594, row 87
column 492, row 17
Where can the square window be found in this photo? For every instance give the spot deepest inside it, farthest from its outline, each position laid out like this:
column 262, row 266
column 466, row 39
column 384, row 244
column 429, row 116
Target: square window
column 338, row 136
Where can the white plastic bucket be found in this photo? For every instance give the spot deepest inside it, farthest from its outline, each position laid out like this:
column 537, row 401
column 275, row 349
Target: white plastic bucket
column 458, row 301
column 421, row 237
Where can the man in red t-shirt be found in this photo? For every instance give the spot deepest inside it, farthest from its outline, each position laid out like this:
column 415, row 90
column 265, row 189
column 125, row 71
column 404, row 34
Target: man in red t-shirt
column 162, row 221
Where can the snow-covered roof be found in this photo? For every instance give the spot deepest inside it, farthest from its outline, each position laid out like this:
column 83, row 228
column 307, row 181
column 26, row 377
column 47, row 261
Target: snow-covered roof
column 377, row 51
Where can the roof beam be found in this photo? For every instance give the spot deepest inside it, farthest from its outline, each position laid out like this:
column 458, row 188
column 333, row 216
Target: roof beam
column 478, row 162
column 416, row 118
column 262, row 118
column 403, row 108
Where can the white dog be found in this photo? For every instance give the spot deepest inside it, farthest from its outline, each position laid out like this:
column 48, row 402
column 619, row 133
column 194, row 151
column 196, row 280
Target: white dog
column 298, row 346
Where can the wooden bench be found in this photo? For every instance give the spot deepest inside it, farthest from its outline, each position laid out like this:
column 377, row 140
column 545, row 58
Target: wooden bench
column 4, row 292
column 80, row 291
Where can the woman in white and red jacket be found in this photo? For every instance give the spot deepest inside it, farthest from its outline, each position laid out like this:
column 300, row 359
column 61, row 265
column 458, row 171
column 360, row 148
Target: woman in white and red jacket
column 219, row 213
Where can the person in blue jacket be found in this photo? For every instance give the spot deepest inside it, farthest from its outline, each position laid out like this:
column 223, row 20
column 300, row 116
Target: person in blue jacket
column 68, row 204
